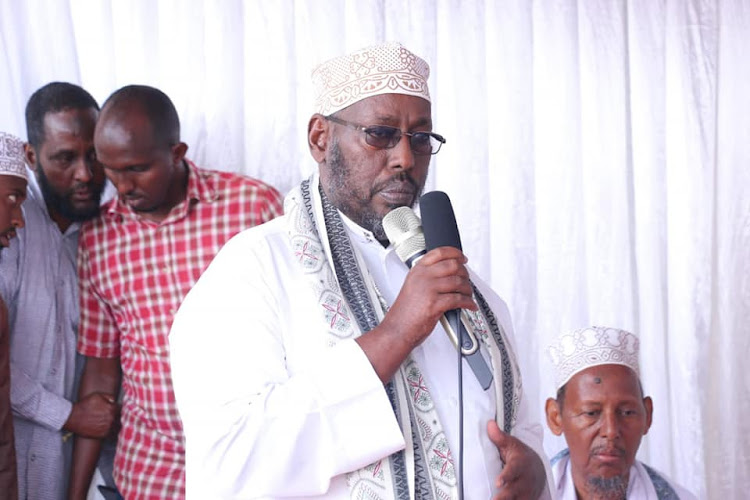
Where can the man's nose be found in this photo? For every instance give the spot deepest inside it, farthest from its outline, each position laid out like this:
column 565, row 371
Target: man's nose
column 122, row 184
column 401, row 154
column 610, row 427
column 16, row 217
column 84, row 169
column 124, row 187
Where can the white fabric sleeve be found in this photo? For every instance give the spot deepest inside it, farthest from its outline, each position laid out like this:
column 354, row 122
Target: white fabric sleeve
column 528, row 429
column 252, row 429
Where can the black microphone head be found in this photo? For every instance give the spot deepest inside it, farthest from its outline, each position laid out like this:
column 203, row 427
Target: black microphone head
column 404, row 231
column 439, row 221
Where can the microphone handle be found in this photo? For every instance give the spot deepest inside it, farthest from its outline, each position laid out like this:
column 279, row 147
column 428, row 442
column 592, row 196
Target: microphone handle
column 452, row 323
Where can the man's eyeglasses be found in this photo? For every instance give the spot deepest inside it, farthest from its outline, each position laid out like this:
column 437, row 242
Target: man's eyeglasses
column 385, row 137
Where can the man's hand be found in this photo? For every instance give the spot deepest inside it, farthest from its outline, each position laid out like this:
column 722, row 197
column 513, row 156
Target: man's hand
column 93, row 416
column 523, row 475
column 438, row 282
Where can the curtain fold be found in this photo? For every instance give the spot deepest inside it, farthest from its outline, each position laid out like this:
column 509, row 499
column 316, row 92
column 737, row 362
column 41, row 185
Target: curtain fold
column 598, row 159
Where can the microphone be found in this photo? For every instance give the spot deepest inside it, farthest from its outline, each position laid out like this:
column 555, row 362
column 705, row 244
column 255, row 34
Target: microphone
column 405, row 232
column 441, row 230
column 411, row 241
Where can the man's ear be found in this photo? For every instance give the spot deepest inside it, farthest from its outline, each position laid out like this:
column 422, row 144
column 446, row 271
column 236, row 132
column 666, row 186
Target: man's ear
column 317, row 137
column 649, row 405
column 178, row 152
column 29, row 154
column 554, row 416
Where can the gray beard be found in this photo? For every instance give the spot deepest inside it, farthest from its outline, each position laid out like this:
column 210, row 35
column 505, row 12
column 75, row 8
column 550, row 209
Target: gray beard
column 339, row 176
column 609, row 488
column 357, row 210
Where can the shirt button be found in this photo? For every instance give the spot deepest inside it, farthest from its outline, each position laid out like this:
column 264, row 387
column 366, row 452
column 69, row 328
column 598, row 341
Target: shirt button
column 33, row 457
column 53, row 371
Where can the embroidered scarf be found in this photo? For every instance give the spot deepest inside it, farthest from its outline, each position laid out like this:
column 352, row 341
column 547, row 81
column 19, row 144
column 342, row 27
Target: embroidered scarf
column 351, row 305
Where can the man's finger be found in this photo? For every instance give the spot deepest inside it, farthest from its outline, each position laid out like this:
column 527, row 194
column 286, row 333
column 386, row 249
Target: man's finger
column 498, row 438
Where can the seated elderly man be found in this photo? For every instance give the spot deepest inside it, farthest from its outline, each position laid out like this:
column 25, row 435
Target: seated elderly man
column 601, row 411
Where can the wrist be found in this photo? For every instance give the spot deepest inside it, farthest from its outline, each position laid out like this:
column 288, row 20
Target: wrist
column 70, row 422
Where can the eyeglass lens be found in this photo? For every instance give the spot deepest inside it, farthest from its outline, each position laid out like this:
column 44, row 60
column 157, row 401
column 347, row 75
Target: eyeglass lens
column 384, row 137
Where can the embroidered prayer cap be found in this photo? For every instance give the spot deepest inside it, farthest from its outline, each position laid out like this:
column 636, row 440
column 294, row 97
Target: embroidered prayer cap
column 387, row 68
column 573, row 352
column 11, row 156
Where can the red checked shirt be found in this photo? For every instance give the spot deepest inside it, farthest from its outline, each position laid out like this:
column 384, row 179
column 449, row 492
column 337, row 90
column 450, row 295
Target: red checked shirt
column 133, row 276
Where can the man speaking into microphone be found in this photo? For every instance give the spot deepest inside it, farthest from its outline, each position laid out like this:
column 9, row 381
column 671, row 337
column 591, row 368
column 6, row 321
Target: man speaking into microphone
column 308, row 360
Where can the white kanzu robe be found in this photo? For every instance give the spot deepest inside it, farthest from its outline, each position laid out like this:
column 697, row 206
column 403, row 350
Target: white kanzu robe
column 270, row 410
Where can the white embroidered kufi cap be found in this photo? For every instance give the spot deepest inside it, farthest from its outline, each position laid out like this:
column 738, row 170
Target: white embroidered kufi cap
column 11, row 156
column 573, row 352
column 387, row 68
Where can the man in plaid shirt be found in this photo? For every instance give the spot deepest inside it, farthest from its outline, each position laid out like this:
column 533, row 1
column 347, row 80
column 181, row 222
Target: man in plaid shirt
column 136, row 262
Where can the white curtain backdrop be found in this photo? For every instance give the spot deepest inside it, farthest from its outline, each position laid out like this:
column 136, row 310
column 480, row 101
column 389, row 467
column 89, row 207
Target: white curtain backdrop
column 598, row 159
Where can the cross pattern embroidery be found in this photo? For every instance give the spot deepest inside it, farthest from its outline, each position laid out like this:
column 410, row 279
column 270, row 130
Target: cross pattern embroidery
column 447, row 459
column 338, row 312
column 303, row 253
column 308, row 254
column 419, row 392
column 441, row 461
column 417, row 388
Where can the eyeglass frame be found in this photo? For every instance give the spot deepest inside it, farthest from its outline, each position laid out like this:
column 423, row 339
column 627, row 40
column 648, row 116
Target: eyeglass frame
column 441, row 140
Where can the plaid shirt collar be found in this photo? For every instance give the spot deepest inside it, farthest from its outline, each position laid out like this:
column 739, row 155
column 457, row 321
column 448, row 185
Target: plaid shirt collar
column 198, row 191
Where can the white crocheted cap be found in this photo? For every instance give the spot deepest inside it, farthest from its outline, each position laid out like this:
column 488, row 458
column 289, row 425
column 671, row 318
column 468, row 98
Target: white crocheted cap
column 573, row 352
column 387, row 68
column 11, row 156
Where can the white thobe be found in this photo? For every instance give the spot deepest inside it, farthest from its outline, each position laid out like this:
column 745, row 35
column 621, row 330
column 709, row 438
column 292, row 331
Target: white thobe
column 270, row 410
column 640, row 486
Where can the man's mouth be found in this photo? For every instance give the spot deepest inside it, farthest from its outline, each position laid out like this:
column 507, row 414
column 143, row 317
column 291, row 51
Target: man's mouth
column 398, row 192
column 397, row 196
column 6, row 236
column 608, row 454
column 132, row 200
column 83, row 194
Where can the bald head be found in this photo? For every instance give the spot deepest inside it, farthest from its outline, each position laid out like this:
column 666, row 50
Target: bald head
column 143, row 109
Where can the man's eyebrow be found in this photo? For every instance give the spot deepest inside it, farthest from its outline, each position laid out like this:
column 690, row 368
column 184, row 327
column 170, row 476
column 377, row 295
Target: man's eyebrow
column 392, row 120
column 61, row 152
column 127, row 167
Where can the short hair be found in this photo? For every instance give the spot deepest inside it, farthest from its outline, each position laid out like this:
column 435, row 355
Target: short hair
column 156, row 106
column 53, row 97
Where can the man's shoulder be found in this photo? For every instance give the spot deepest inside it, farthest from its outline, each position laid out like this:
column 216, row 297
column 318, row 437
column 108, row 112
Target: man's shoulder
column 665, row 487
column 261, row 248
column 36, row 217
column 272, row 234
column 235, row 184
column 93, row 228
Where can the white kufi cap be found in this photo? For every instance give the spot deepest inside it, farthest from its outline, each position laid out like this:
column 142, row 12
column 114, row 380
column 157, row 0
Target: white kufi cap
column 387, row 68
column 11, row 156
column 573, row 352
